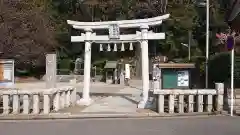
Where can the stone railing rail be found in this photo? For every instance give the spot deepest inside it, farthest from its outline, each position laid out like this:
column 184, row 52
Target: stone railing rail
column 190, row 100
column 39, row 101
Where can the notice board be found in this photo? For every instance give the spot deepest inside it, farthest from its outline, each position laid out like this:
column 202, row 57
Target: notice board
column 6, row 72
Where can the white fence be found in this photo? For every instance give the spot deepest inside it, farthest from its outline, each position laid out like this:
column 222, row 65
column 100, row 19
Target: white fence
column 190, row 100
column 42, row 101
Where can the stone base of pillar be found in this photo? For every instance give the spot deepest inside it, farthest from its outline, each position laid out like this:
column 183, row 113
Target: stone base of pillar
column 85, row 101
column 145, row 104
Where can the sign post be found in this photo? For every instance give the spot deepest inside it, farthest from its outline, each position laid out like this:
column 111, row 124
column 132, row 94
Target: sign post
column 230, row 46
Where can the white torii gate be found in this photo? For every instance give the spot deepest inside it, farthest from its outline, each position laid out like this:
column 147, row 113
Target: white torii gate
column 143, row 36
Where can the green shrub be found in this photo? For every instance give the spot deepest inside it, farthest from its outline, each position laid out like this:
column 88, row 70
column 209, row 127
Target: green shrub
column 219, row 68
column 64, row 66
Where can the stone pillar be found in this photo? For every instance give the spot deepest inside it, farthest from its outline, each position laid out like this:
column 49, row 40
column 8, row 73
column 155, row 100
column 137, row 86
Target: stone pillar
column 220, row 91
column 56, row 101
column 46, row 104
column 73, row 96
column 73, row 92
column 26, row 104
column 68, row 98
column 51, row 67
column 122, row 82
column 6, row 104
column 16, row 104
column 145, row 66
column 62, row 99
column 85, row 100
column 36, row 102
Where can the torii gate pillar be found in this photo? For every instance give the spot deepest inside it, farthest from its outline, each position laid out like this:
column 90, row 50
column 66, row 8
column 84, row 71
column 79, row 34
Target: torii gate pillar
column 86, row 100
column 145, row 66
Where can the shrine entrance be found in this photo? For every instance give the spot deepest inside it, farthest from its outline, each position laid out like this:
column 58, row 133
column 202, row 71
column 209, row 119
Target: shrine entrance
column 116, row 38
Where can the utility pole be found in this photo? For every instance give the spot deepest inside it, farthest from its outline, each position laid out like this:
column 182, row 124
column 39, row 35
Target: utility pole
column 189, row 44
column 207, row 42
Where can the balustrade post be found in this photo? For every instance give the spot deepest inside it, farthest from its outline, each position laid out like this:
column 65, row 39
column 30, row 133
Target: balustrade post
column 25, row 104
column 73, row 96
column 62, row 99
column 200, row 103
column 16, row 103
column 209, row 103
column 56, row 101
column 220, row 91
column 68, row 98
column 6, row 103
column 46, row 103
column 171, row 103
column 181, row 104
column 160, row 103
column 36, row 102
column 190, row 103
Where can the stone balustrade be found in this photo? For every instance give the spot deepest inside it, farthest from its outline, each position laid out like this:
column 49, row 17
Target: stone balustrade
column 190, row 100
column 41, row 101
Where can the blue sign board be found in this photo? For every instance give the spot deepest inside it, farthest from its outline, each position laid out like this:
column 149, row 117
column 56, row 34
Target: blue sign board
column 230, row 42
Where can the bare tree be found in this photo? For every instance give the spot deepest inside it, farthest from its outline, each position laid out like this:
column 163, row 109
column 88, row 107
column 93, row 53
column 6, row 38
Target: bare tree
column 26, row 33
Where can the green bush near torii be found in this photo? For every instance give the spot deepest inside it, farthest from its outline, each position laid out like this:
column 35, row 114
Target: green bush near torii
column 220, row 69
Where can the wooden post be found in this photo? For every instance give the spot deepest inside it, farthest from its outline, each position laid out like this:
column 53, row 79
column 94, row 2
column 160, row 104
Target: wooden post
column 51, row 67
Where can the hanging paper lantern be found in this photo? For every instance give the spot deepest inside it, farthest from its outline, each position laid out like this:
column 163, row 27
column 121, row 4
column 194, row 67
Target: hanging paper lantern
column 101, row 48
column 115, row 47
column 109, row 48
column 122, row 47
column 131, row 46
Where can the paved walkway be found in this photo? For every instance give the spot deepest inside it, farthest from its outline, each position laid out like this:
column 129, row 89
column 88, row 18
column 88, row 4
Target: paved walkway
column 166, row 126
column 109, row 99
